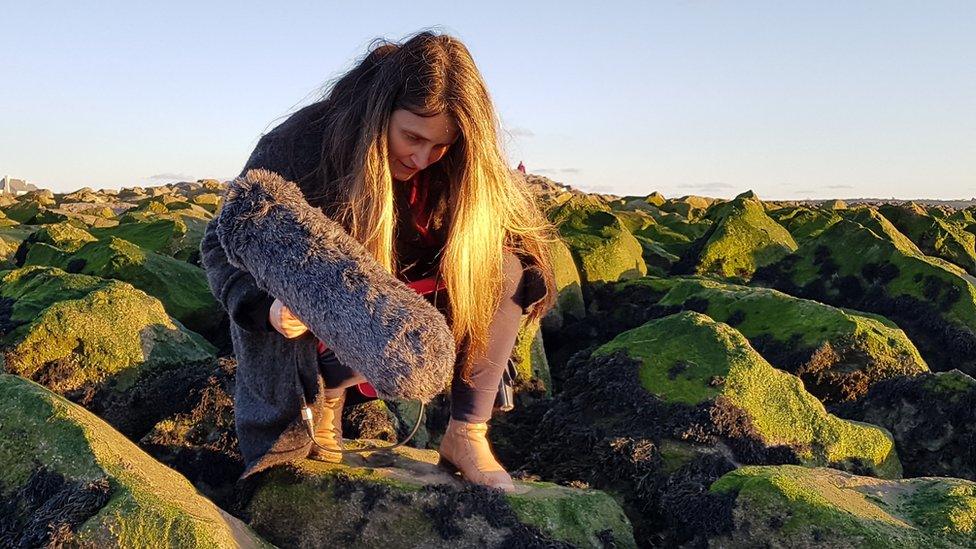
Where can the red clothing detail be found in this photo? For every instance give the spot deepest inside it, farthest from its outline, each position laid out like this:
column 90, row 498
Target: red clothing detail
column 419, row 190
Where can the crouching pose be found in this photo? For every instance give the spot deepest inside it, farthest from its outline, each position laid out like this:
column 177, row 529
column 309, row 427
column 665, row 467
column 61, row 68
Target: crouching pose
column 403, row 153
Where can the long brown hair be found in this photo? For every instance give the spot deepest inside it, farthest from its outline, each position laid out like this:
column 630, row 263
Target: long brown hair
column 490, row 206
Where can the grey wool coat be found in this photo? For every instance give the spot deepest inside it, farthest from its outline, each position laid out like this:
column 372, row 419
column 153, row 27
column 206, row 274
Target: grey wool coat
column 268, row 241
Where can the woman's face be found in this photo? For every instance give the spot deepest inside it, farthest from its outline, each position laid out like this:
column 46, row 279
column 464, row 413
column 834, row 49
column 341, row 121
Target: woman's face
column 416, row 142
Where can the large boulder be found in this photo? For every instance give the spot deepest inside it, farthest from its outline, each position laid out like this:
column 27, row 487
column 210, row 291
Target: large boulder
column 68, row 478
column 691, row 359
column 874, row 268
column 804, row 223
column 101, row 342
column 935, row 236
column 65, row 236
column 742, row 239
column 838, row 353
column 604, row 249
column 407, row 501
column 569, row 302
column 790, row 506
column 659, row 445
column 931, row 416
column 180, row 286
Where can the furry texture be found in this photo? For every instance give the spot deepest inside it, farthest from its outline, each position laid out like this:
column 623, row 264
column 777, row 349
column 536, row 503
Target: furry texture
column 373, row 322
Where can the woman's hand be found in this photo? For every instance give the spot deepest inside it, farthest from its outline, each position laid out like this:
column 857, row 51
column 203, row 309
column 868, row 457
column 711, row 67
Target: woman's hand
column 286, row 323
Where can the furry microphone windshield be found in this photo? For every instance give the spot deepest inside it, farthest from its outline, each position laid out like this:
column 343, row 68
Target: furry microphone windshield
column 373, row 322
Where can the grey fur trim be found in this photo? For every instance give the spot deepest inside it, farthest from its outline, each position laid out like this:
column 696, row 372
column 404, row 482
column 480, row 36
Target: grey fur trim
column 373, row 322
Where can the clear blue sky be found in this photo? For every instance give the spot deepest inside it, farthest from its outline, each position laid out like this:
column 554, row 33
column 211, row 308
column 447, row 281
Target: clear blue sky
column 790, row 99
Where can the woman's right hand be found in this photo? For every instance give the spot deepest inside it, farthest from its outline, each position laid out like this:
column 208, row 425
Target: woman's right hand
column 286, row 323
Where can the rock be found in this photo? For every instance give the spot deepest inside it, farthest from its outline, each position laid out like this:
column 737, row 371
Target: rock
column 839, row 354
column 932, row 418
column 569, row 303
column 689, row 358
column 101, row 342
column 69, row 478
column 529, row 357
column 935, row 236
column 742, row 239
column 688, row 206
column 876, row 270
column 644, row 227
column 411, row 502
column 201, row 443
column 164, row 236
column 603, row 248
column 64, row 236
column 180, row 286
column 207, row 201
column 24, row 211
column 804, row 223
column 790, row 506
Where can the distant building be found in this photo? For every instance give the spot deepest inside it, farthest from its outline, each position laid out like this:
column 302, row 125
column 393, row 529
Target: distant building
column 15, row 186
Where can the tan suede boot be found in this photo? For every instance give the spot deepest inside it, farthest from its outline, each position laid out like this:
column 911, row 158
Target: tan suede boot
column 329, row 431
column 465, row 448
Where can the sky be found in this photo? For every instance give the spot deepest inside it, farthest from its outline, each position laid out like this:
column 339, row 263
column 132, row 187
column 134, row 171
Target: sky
column 791, row 100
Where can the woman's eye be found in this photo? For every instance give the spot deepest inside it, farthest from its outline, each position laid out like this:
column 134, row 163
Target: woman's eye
column 411, row 137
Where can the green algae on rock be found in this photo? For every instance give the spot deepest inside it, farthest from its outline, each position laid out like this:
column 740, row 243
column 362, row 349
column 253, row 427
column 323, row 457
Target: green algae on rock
column 791, row 506
column 879, row 270
column 412, row 502
column 837, row 353
column 147, row 504
column 742, row 239
column 569, row 302
column 529, row 357
column 944, row 238
column 65, row 236
column 804, row 223
column 181, row 287
column 603, row 248
column 690, row 358
column 75, row 332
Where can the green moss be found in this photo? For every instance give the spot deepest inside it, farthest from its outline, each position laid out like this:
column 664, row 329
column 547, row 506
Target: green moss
column 393, row 506
column 62, row 235
column 804, row 223
column 881, row 348
column 181, row 287
column 151, row 505
column 944, row 238
column 93, row 328
column 944, row 506
column 574, row 516
column 745, row 238
column 23, row 211
column 851, row 247
column 603, row 248
column 159, row 235
column 568, row 284
column 685, row 353
column 530, row 356
column 838, row 508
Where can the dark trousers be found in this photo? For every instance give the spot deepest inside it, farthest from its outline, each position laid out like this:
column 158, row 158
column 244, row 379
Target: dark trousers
column 469, row 403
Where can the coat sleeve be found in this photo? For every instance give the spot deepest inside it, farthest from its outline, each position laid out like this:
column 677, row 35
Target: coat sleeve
column 235, row 289
column 532, row 287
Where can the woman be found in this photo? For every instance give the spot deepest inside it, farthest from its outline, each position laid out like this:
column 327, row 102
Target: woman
column 403, row 152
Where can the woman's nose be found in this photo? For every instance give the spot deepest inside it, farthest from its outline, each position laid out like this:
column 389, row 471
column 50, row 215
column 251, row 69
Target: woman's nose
column 421, row 159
